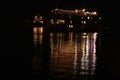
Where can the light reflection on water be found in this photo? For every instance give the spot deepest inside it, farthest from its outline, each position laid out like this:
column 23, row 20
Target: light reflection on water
column 38, row 35
column 72, row 54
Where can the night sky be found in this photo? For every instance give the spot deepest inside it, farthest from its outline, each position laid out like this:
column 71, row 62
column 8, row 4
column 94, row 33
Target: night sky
column 26, row 8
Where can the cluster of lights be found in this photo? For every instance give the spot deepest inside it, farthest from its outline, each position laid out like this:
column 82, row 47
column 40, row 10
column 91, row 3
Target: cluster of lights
column 91, row 13
column 70, row 26
column 59, row 21
column 83, row 22
column 81, row 12
column 38, row 19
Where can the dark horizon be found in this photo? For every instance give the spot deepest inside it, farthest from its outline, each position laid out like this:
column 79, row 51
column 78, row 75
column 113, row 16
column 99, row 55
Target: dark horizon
column 27, row 9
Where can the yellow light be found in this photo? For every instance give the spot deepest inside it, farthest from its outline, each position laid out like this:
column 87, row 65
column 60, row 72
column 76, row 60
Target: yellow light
column 88, row 17
column 35, row 17
column 83, row 10
column 35, row 30
column 95, row 13
column 41, row 29
column 70, row 26
column 84, row 22
column 76, row 10
column 62, row 21
column 41, row 17
column 51, row 21
column 41, row 22
column 71, row 21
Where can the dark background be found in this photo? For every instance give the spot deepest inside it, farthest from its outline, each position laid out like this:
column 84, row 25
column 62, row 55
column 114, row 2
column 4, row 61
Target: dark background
column 14, row 13
column 16, row 39
column 24, row 9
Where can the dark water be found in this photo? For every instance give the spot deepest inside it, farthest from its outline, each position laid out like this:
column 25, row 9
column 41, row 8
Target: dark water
column 64, row 56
